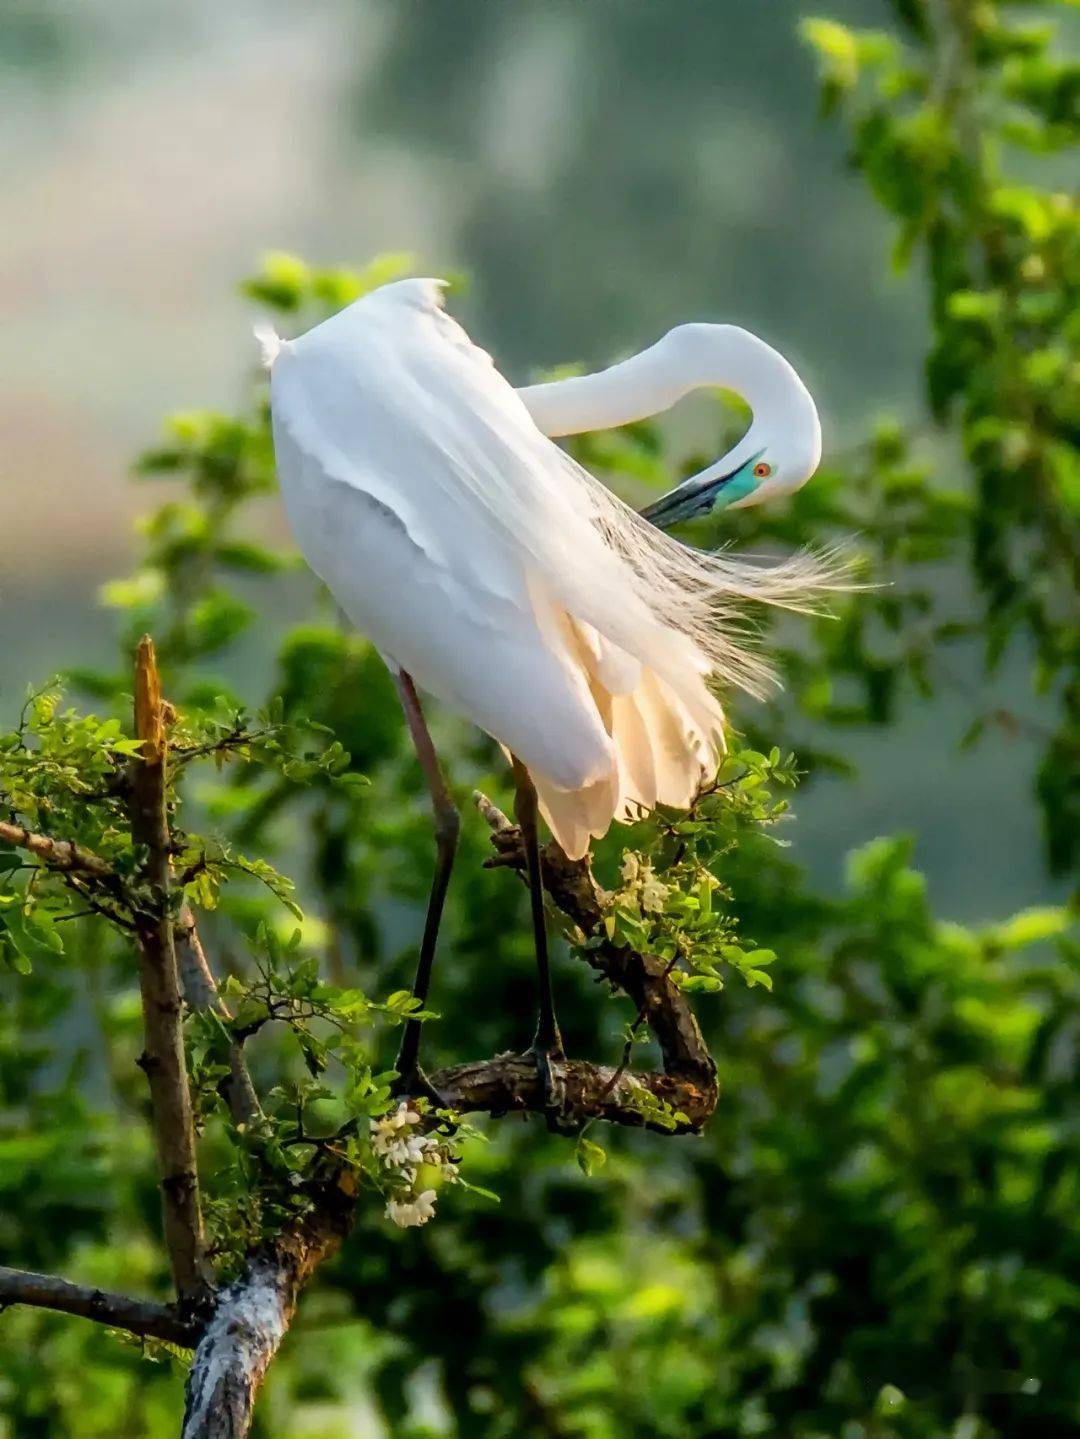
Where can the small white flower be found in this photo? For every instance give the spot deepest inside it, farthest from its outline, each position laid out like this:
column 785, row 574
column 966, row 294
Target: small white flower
column 411, row 1213
column 630, row 867
column 386, row 1139
column 654, row 892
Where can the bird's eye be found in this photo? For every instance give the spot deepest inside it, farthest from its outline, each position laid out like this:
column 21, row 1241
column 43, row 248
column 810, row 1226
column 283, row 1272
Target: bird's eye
column 762, row 471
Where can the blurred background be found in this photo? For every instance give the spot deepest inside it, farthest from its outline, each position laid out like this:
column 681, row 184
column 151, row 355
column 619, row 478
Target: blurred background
column 599, row 170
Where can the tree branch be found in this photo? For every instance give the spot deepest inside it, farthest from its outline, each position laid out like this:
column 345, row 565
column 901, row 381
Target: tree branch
column 236, row 1345
column 163, row 1059
column 138, row 1316
column 201, row 993
column 646, row 979
column 58, row 854
column 510, row 1082
column 253, row 1315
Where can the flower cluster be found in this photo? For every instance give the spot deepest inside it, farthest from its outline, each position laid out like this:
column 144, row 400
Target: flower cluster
column 638, row 878
column 407, row 1213
column 407, row 1154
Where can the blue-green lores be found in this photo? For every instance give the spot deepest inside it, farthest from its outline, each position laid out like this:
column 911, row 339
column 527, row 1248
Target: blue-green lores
column 694, row 498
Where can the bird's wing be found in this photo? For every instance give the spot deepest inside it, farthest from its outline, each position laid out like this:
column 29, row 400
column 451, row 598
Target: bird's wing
column 393, row 403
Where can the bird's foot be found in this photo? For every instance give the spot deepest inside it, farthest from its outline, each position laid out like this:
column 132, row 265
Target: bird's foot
column 547, row 1058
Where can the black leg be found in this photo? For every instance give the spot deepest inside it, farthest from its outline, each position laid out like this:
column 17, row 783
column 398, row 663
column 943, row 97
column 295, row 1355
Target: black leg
column 447, row 828
column 547, row 1044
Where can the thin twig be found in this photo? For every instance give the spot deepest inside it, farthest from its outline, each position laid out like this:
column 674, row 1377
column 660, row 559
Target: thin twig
column 236, row 739
column 631, row 1040
column 97, row 906
column 201, row 993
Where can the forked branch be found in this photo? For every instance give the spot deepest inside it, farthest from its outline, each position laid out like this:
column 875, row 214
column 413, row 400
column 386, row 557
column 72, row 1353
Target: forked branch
column 253, row 1315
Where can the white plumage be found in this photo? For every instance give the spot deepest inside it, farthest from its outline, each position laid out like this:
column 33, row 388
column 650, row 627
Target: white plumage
column 509, row 583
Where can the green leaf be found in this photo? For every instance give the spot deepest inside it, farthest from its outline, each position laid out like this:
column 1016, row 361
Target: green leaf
column 127, row 747
column 889, row 1401
column 1031, row 926
column 836, row 47
column 590, row 1157
column 32, row 937
column 141, row 590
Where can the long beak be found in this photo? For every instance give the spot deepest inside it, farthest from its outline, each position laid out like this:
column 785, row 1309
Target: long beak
column 687, row 501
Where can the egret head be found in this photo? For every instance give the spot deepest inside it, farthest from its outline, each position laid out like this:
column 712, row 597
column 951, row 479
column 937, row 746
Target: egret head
column 775, row 466
column 782, row 447
column 780, row 450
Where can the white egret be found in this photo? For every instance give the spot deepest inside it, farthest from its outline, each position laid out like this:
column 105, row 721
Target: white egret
column 498, row 575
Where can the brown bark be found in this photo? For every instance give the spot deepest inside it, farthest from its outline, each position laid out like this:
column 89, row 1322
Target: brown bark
column 121, row 1311
column 510, row 1084
column 201, row 992
column 252, row 1317
column 57, row 853
column 163, row 1059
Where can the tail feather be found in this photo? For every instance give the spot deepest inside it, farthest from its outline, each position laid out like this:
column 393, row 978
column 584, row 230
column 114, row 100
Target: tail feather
column 666, row 737
column 638, row 788
column 685, row 748
column 578, row 816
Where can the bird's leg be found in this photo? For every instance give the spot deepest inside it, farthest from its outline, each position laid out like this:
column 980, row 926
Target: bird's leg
column 411, row 1078
column 547, row 1043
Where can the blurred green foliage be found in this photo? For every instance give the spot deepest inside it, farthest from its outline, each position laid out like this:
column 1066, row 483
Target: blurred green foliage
column 879, row 1236
column 940, row 126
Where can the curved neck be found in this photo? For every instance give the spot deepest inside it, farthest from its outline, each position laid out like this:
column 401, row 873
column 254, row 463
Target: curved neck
column 688, row 358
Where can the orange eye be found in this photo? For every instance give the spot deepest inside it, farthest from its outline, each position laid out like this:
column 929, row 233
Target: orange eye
column 762, row 470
